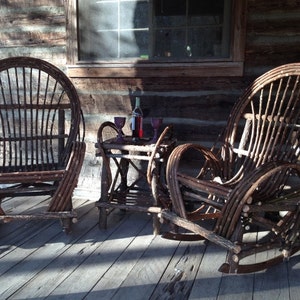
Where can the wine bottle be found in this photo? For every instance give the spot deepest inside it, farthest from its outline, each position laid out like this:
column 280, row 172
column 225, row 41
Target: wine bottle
column 137, row 121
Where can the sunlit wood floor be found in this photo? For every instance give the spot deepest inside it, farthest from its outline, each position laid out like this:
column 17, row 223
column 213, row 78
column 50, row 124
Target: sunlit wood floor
column 38, row 260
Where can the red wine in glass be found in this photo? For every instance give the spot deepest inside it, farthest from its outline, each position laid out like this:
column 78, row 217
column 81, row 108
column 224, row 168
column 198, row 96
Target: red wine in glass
column 119, row 122
column 156, row 123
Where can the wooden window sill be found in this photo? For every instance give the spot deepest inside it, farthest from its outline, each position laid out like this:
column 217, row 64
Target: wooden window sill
column 156, row 70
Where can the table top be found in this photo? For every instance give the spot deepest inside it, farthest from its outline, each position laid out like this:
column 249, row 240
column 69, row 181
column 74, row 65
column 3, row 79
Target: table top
column 141, row 145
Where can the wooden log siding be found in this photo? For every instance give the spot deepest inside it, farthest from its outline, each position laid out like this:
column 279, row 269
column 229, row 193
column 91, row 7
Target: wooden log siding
column 273, row 35
column 34, row 28
column 198, row 107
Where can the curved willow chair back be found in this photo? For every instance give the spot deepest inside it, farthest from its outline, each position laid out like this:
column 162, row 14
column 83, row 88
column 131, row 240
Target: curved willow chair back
column 35, row 101
column 40, row 124
column 264, row 123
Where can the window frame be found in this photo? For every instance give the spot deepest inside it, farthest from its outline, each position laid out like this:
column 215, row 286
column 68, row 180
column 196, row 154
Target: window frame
column 233, row 66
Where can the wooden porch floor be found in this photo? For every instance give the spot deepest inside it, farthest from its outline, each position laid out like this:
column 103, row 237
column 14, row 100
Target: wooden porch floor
column 125, row 261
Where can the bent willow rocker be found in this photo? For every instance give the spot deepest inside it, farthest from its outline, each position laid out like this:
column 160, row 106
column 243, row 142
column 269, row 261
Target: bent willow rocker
column 41, row 142
column 249, row 181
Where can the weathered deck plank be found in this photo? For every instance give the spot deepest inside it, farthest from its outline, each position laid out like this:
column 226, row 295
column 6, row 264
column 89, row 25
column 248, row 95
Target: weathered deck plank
column 179, row 276
column 208, row 280
column 273, row 282
column 62, row 260
column 113, row 278
column 294, row 277
column 84, row 278
column 34, row 255
column 38, row 261
column 143, row 278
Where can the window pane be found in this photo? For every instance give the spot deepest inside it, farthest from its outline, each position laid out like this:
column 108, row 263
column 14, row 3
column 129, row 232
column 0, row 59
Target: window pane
column 158, row 29
column 212, row 7
column 169, row 21
column 205, row 42
column 169, row 7
column 97, row 35
column 112, row 29
column 191, row 29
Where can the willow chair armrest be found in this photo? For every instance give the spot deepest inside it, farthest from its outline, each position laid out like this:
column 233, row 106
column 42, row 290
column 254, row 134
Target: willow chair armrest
column 62, row 198
column 270, row 182
column 173, row 171
column 162, row 137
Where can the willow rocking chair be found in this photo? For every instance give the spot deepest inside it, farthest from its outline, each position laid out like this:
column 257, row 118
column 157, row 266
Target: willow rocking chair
column 41, row 138
column 248, row 183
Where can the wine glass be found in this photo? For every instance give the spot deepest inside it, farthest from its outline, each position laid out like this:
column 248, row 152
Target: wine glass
column 156, row 123
column 119, row 122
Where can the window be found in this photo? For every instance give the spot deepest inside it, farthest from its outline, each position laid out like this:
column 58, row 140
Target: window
column 185, row 32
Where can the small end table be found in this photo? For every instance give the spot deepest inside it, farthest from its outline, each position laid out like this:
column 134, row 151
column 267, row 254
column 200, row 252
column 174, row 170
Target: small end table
column 147, row 192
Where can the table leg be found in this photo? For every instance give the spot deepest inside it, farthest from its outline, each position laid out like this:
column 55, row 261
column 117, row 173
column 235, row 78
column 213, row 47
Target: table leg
column 104, row 197
column 124, row 165
column 155, row 194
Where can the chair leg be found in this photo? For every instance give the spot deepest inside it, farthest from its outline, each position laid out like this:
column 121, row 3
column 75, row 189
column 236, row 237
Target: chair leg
column 102, row 218
column 68, row 221
column 156, row 225
column 66, row 225
column 1, row 210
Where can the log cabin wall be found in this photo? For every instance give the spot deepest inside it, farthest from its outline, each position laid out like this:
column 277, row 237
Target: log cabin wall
column 197, row 106
column 33, row 28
